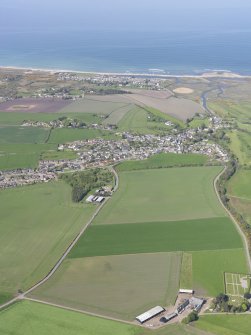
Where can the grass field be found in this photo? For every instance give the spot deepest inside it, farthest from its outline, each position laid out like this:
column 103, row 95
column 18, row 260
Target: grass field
column 119, row 286
column 17, row 118
column 239, row 192
column 163, row 160
column 13, row 156
column 162, row 195
column 229, row 109
column 13, row 134
column 239, row 185
column 225, row 324
column 64, row 135
column 211, row 282
column 37, row 223
column 240, row 146
column 202, row 234
column 31, row 318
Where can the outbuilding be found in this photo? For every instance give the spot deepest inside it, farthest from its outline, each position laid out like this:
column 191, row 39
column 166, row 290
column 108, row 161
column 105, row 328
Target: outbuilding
column 186, row 291
column 90, row 198
column 150, row 314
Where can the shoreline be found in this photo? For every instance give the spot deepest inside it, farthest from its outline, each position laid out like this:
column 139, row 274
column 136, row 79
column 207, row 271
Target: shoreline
column 205, row 75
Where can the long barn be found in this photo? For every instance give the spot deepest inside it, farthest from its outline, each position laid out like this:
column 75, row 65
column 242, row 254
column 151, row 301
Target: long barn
column 150, row 314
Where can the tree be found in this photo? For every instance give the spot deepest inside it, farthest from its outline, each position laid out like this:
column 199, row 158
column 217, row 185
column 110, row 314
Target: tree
column 193, row 316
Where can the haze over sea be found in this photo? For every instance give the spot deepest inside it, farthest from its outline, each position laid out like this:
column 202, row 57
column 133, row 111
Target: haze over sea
column 181, row 37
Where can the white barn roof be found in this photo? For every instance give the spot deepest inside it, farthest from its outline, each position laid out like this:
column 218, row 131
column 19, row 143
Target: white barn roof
column 182, row 290
column 90, row 198
column 150, row 314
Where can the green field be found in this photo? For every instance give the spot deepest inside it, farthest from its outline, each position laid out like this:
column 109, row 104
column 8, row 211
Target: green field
column 239, row 192
column 239, row 185
column 65, row 135
column 202, row 234
column 240, row 146
column 17, row 118
column 37, row 223
column 211, row 282
column 31, row 318
column 225, row 324
column 240, row 111
column 13, row 156
column 119, row 286
column 201, row 278
column 136, row 121
column 13, row 134
column 186, row 273
column 163, row 160
column 162, row 195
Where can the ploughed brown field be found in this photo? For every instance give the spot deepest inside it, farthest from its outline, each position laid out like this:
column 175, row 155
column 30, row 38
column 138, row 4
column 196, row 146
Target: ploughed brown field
column 43, row 105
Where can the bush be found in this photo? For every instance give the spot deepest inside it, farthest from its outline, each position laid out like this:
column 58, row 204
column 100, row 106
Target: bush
column 193, row 316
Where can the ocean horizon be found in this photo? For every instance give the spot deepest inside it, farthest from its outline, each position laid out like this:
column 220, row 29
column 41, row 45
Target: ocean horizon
column 173, row 53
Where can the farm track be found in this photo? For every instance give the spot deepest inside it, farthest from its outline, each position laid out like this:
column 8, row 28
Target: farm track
column 22, row 296
column 80, row 311
column 246, row 247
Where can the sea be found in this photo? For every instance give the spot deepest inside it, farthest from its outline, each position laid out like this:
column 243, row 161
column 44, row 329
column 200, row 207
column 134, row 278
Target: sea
column 174, row 53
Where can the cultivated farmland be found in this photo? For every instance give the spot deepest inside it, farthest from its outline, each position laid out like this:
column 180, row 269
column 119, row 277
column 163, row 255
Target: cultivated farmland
column 37, row 224
column 202, row 234
column 119, row 286
column 163, row 195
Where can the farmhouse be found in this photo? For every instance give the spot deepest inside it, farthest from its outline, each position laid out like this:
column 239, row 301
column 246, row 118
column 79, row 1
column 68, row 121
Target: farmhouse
column 150, row 314
column 196, row 303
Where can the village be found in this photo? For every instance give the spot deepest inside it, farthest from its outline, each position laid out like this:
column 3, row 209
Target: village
column 99, row 153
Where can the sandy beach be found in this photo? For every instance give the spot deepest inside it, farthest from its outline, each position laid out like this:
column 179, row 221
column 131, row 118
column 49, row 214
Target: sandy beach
column 213, row 74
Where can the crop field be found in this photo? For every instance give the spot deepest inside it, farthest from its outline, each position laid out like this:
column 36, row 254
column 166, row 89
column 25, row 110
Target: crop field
column 31, row 318
column 119, row 286
column 42, row 105
column 186, row 273
column 163, row 160
column 237, row 284
column 37, row 223
column 166, row 196
column 13, row 156
column 64, row 135
column 181, row 109
column 225, row 324
column 91, row 105
column 115, row 116
column 23, row 134
column 202, row 234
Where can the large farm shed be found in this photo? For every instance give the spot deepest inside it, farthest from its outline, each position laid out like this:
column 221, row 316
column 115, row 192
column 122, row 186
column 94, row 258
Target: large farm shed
column 150, row 314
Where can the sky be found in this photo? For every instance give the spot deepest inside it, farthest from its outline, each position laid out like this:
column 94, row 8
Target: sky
column 131, row 15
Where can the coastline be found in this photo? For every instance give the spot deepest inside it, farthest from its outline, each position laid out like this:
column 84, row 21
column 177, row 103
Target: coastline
column 205, row 75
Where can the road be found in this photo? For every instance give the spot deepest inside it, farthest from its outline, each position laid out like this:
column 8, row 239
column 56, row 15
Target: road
column 68, row 250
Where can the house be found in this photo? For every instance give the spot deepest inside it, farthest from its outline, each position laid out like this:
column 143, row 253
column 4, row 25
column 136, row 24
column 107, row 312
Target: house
column 196, row 303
